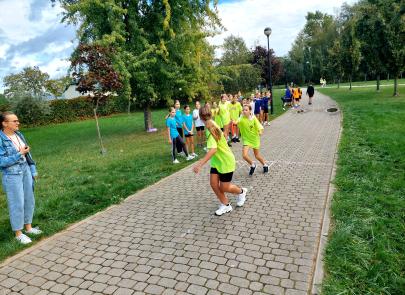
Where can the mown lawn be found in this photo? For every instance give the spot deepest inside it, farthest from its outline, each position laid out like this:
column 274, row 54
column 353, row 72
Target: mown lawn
column 76, row 181
column 366, row 250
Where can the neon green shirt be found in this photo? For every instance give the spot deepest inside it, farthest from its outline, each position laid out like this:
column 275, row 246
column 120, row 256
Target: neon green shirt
column 216, row 117
column 224, row 112
column 235, row 110
column 249, row 129
column 223, row 160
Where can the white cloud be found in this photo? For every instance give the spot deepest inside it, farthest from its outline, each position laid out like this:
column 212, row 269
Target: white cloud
column 3, row 49
column 56, row 68
column 248, row 18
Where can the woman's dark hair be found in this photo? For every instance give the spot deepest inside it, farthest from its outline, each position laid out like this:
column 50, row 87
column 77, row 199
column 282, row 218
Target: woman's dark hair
column 3, row 117
column 186, row 106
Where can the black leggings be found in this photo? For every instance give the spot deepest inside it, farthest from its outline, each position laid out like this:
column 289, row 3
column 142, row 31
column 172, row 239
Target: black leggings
column 178, row 142
column 179, row 146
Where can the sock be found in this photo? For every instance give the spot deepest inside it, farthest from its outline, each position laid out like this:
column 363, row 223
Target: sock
column 241, row 191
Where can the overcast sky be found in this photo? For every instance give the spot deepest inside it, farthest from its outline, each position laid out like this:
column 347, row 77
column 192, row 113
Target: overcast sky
column 31, row 33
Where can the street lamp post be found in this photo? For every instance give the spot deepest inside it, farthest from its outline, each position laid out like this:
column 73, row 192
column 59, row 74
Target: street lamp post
column 267, row 32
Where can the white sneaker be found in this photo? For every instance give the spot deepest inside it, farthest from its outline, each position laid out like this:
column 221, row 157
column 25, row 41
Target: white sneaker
column 34, row 231
column 241, row 198
column 194, row 155
column 176, row 161
column 223, row 209
column 182, row 154
column 205, row 149
column 23, row 239
column 190, row 157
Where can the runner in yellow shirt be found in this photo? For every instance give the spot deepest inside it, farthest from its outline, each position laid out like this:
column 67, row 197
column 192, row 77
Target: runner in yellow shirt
column 251, row 130
column 225, row 116
column 222, row 165
column 235, row 109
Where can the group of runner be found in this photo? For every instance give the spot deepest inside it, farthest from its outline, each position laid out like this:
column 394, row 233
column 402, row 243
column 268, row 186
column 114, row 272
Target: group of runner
column 293, row 95
column 220, row 124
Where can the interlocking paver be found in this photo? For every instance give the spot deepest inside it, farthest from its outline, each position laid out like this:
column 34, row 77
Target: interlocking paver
column 156, row 243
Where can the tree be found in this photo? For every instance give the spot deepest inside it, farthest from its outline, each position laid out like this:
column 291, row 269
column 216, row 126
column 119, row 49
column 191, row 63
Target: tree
column 160, row 46
column 239, row 77
column 350, row 45
column 29, row 82
column 259, row 59
column 389, row 20
column 335, row 60
column 235, row 52
column 96, row 76
column 57, row 86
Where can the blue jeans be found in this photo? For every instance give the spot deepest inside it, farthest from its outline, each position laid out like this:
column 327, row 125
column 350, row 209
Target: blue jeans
column 20, row 197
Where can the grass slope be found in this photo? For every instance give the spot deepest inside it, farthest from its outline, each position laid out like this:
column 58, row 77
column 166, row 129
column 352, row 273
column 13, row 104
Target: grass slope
column 366, row 250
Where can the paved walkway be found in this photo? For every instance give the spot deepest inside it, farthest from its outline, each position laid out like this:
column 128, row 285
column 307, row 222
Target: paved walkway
column 166, row 240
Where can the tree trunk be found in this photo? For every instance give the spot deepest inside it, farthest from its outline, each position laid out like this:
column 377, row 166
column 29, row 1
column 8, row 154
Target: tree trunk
column 378, row 82
column 396, row 93
column 129, row 106
column 350, row 81
column 147, row 116
column 388, row 76
column 102, row 149
column 365, row 77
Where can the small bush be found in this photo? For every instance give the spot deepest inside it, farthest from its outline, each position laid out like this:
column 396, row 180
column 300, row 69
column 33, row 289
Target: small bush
column 31, row 111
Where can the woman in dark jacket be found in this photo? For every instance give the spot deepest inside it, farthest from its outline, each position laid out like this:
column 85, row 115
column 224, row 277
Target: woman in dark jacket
column 18, row 171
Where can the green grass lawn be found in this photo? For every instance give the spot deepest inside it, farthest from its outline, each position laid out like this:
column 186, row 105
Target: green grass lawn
column 76, row 181
column 384, row 83
column 366, row 250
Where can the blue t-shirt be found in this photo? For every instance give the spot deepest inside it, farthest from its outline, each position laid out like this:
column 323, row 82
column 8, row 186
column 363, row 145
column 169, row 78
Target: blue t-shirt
column 258, row 103
column 265, row 103
column 188, row 120
column 171, row 123
column 179, row 118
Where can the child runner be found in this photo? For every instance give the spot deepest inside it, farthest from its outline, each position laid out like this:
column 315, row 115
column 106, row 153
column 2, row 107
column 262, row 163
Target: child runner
column 265, row 107
column 251, row 130
column 179, row 125
column 235, row 110
column 225, row 116
column 257, row 106
column 199, row 125
column 188, row 126
column 174, row 136
column 222, row 165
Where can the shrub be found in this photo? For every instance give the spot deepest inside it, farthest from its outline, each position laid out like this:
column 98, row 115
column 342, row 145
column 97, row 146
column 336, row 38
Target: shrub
column 31, row 111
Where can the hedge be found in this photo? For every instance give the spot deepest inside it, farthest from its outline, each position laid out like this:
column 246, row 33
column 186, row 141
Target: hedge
column 65, row 110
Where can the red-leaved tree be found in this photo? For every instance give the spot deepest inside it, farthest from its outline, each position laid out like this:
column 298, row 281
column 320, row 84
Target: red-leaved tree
column 95, row 76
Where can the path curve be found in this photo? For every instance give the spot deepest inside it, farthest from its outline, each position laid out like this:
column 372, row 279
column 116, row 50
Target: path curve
column 166, row 240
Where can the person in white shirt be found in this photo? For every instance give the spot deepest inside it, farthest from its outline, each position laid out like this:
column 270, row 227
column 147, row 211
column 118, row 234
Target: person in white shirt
column 199, row 125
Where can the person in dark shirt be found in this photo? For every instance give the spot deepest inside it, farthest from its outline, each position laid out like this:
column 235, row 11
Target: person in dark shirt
column 310, row 93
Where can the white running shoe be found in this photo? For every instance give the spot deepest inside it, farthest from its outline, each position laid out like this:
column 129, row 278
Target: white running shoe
column 176, row 161
column 223, row 209
column 194, row 155
column 190, row 157
column 241, row 198
column 34, row 231
column 23, row 239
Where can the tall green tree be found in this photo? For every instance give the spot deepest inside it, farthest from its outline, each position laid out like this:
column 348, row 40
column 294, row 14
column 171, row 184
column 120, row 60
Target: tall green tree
column 389, row 23
column 160, row 45
column 350, row 45
column 31, row 81
column 235, row 51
